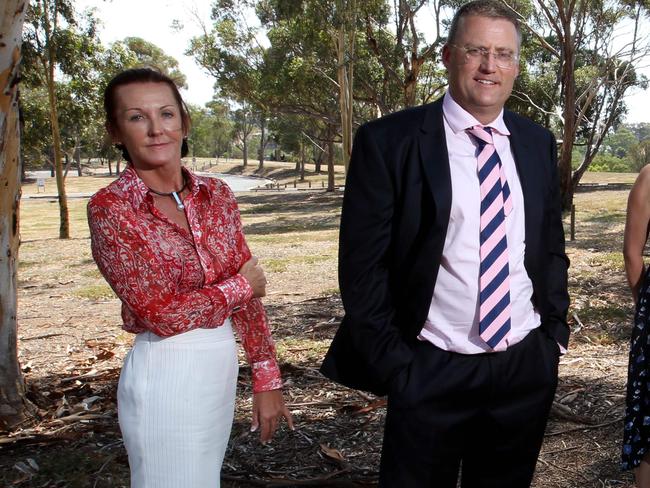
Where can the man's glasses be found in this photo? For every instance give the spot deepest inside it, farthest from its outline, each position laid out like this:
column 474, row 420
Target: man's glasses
column 476, row 55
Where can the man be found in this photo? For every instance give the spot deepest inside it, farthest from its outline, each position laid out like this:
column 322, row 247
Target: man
column 453, row 273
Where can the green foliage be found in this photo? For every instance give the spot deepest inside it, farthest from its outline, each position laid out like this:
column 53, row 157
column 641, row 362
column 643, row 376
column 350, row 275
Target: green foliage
column 610, row 163
column 148, row 54
column 620, row 143
column 83, row 67
column 295, row 74
column 56, row 38
column 211, row 130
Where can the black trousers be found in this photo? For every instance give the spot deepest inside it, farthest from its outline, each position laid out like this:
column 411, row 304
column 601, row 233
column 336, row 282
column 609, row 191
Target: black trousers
column 481, row 415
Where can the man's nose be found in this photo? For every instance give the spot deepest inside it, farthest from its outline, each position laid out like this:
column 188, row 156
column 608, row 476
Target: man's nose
column 488, row 62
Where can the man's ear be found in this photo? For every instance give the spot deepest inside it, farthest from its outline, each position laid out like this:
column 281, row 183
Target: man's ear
column 446, row 55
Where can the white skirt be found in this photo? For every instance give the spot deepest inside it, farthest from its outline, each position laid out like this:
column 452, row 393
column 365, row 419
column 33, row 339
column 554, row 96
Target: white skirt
column 176, row 401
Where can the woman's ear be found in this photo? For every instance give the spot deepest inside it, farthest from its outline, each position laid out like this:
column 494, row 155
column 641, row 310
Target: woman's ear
column 115, row 138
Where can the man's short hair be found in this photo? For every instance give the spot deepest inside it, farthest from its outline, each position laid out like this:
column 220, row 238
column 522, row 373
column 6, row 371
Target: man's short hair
column 484, row 8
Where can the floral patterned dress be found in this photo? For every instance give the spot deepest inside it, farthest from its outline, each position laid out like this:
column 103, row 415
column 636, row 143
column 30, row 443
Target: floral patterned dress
column 636, row 433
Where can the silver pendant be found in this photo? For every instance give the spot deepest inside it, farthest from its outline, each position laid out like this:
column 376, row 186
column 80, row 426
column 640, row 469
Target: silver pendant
column 179, row 203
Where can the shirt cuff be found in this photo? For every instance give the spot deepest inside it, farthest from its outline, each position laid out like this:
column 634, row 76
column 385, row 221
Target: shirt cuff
column 237, row 291
column 562, row 349
column 266, row 376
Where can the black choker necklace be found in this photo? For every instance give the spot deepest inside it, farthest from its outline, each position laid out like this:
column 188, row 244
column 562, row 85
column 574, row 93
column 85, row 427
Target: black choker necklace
column 173, row 194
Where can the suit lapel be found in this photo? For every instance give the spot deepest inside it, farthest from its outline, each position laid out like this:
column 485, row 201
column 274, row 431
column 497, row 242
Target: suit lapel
column 434, row 160
column 530, row 169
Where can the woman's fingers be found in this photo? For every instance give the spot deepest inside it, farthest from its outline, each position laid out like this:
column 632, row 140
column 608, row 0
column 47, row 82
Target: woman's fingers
column 268, row 410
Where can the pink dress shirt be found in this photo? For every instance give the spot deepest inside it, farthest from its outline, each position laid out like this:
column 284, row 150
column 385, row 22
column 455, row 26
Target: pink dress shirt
column 452, row 322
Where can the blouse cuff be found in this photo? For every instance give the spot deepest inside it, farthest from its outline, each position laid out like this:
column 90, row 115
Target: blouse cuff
column 266, row 376
column 237, row 292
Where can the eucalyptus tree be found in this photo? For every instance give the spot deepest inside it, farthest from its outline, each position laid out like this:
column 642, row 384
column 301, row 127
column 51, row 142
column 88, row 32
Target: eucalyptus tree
column 212, row 129
column 148, row 54
column 407, row 66
column 243, row 126
column 231, row 51
column 586, row 56
column 12, row 389
column 58, row 44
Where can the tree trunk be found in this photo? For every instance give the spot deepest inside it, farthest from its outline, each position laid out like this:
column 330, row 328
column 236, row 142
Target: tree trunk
column 245, row 150
column 64, row 228
column 411, row 81
column 77, row 155
column 318, row 160
column 262, row 142
column 345, row 46
column 302, row 160
column 569, row 115
column 330, row 158
column 12, row 387
column 66, row 166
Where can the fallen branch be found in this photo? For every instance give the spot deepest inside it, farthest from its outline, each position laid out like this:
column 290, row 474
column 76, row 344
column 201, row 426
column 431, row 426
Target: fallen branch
column 78, row 417
column 324, row 481
column 557, row 451
column 586, row 427
column 371, row 406
column 44, row 336
column 110, row 458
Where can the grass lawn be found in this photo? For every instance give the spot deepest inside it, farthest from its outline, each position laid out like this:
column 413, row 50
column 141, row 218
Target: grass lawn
column 71, row 348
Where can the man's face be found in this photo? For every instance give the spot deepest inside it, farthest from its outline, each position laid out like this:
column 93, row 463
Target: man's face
column 478, row 83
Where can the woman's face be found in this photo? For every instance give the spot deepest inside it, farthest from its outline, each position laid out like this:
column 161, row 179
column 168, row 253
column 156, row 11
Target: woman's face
column 149, row 122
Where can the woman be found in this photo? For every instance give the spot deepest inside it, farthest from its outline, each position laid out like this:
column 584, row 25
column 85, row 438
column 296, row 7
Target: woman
column 636, row 434
column 171, row 246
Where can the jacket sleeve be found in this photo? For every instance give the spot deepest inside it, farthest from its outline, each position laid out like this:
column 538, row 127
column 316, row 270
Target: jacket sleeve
column 557, row 295
column 364, row 248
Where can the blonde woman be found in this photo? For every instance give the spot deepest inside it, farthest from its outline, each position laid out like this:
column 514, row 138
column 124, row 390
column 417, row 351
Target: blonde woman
column 636, row 434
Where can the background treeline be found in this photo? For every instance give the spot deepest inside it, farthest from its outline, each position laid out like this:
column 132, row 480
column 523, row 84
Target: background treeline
column 624, row 150
column 294, row 79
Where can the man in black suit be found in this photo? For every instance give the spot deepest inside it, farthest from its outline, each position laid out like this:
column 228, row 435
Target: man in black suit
column 453, row 273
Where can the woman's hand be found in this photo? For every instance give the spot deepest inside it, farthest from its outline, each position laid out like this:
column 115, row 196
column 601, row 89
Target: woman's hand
column 254, row 273
column 268, row 409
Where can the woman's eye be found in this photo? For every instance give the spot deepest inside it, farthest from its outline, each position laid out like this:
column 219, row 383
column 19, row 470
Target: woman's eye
column 168, row 114
column 134, row 118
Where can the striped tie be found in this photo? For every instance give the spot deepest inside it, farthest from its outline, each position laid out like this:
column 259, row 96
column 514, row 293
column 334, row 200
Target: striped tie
column 496, row 203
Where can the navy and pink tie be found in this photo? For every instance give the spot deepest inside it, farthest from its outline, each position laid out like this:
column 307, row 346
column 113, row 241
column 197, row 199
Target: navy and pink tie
column 494, row 276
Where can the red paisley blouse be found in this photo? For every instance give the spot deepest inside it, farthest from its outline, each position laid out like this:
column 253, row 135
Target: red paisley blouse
column 171, row 281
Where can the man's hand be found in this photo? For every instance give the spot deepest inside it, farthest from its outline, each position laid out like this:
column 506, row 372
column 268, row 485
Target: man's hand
column 254, row 273
column 268, row 410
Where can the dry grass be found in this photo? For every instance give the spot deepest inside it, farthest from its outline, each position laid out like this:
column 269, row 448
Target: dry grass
column 69, row 325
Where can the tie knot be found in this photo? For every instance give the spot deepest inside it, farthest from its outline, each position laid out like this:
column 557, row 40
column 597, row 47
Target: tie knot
column 482, row 134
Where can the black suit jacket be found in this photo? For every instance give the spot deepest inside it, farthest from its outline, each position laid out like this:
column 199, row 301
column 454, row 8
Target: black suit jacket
column 393, row 226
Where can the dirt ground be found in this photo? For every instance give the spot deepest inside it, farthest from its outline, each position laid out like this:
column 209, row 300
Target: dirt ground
column 71, row 348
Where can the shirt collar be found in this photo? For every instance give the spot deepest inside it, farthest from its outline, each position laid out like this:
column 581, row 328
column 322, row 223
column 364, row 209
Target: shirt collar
column 194, row 182
column 460, row 120
column 136, row 191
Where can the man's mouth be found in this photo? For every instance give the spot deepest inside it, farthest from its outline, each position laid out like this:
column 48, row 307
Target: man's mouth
column 487, row 82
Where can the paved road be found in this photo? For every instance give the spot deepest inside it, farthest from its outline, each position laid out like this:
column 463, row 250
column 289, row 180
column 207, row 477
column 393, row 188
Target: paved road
column 236, row 183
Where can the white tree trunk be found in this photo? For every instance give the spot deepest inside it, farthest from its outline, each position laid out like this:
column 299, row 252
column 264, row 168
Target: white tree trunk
column 344, row 44
column 12, row 16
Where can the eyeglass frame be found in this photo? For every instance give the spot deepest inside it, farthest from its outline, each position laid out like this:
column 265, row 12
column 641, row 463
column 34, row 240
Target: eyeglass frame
column 484, row 52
